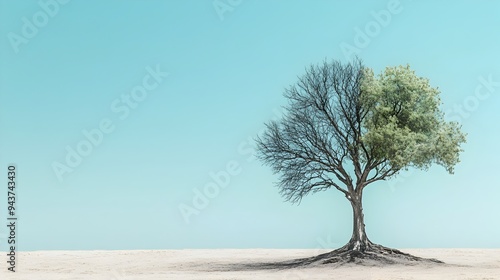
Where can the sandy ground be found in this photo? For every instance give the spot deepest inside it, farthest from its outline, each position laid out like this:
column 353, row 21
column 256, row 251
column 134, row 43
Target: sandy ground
column 220, row 264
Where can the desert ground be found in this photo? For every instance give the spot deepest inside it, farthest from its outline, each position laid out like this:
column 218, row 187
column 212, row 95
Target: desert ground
column 236, row 264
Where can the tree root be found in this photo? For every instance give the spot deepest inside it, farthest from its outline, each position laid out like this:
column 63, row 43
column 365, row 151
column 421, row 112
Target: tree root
column 371, row 255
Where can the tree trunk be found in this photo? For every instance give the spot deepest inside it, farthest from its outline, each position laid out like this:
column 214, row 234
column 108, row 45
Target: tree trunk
column 359, row 249
column 359, row 241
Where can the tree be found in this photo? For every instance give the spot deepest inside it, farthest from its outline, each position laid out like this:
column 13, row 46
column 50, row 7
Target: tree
column 345, row 128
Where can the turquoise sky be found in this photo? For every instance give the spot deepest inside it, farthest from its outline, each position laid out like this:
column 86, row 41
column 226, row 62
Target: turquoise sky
column 171, row 93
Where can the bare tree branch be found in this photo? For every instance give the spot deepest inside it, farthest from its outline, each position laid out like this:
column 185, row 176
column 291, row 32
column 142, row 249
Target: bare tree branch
column 321, row 130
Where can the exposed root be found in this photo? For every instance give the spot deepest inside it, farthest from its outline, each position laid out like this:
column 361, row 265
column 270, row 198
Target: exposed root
column 371, row 255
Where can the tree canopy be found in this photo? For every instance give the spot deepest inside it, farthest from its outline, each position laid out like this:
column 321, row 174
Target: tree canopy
column 345, row 127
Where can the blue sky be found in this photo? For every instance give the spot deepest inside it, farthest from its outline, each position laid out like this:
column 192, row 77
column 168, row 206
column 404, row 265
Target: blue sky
column 68, row 68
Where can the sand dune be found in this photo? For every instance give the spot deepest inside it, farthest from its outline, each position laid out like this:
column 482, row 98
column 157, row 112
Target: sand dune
column 220, row 264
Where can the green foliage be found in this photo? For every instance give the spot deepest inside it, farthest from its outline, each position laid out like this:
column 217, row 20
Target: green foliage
column 405, row 125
